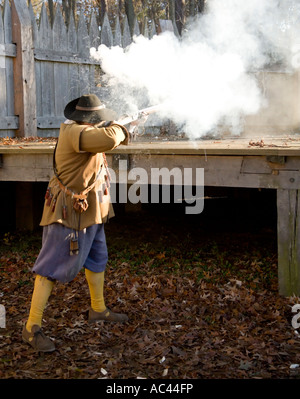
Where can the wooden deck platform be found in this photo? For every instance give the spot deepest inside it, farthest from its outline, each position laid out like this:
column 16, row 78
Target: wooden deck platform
column 271, row 163
column 270, row 145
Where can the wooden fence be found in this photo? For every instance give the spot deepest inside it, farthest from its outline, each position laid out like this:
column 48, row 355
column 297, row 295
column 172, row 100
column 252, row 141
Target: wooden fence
column 8, row 121
column 43, row 66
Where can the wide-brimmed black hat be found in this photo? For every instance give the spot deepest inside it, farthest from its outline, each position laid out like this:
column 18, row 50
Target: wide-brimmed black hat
column 88, row 108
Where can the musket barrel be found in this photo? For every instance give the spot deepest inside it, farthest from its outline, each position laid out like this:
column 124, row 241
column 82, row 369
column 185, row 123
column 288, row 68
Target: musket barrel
column 131, row 118
column 127, row 119
column 150, row 110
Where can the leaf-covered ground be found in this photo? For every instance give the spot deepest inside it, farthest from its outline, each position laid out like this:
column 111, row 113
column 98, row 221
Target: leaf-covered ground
column 202, row 302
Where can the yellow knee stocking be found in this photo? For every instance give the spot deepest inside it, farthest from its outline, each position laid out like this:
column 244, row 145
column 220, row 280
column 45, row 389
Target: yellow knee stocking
column 42, row 290
column 96, row 284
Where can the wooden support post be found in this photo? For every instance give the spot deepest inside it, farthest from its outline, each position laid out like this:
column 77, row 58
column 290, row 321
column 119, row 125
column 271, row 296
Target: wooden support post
column 24, row 69
column 288, row 209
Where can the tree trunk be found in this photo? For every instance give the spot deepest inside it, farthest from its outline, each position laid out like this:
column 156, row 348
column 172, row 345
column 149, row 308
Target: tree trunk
column 73, row 6
column 179, row 14
column 129, row 9
column 69, row 7
column 103, row 9
column 65, row 8
column 192, row 8
column 51, row 11
column 144, row 19
column 120, row 8
column 201, row 5
column 172, row 10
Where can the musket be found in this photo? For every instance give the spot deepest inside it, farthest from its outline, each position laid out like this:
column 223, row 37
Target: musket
column 142, row 113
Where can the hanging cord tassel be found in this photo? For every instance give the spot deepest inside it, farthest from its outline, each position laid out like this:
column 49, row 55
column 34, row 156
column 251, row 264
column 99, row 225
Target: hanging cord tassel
column 47, row 194
column 107, row 176
column 106, row 167
column 64, row 212
column 107, row 181
column 64, row 207
column 48, row 203
column 74, row 244
column 53, row 205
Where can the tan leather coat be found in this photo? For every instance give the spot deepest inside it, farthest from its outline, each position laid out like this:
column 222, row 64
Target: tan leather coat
column 79, row 161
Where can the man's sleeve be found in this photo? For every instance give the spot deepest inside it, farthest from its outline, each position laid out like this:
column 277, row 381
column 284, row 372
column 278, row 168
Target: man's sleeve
column 104, row 138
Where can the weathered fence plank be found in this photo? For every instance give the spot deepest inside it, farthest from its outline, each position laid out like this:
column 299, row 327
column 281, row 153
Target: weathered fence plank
column 73, row 69
column 106, row 32
column 126, row 41
column 136, row 29
column 24, row 70
column 60, row 69
column 146, row 30
column 7, row 52
column 46, row 77
column 36, row 36
column 152, row 30
column 10, row 53
column 83, row 41
column 94, row 32
column 2, row 71
column 118, row 33
column 288, row 207
column 166, row 25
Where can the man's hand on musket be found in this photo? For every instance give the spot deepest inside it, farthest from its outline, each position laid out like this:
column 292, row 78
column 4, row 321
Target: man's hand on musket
column 140, row 120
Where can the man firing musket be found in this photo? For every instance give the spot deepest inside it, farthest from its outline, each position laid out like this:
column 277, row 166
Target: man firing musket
column 77, row 204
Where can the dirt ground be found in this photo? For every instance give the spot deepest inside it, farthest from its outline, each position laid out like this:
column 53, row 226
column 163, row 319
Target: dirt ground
column 201, row 296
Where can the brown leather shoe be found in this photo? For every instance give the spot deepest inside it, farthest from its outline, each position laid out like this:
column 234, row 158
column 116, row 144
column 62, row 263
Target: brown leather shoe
column 106, row 315
column 37, row 339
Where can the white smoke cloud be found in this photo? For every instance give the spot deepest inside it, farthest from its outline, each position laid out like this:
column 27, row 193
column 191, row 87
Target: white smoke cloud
column 206, row 77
